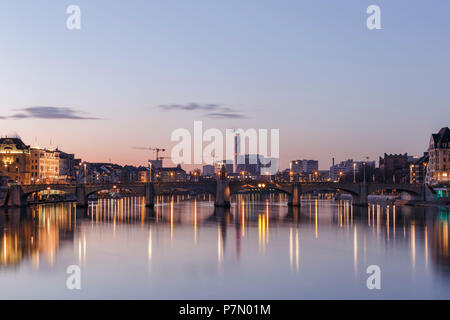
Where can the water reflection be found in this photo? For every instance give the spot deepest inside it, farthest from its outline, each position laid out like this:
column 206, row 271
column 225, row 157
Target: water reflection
column 261, row 225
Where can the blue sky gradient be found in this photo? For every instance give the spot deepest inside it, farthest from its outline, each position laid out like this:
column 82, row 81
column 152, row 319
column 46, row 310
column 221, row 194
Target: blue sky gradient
column 310, row 68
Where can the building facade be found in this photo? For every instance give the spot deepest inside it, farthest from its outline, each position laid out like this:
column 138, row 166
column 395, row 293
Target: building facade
column 208, row 171
column 15, row 160
column 352, row 169
column 438, row 169
column 304, row 166
column 394, row 168
column 228, row 164
column 67, row 166
column 44, row 165
column 418, row 169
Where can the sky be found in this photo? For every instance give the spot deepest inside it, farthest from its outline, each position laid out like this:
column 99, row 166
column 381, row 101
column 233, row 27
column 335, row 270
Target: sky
column 138, row 70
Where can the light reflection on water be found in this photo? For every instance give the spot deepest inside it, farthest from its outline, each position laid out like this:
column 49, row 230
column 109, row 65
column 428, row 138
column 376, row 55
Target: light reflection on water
column 260, row 248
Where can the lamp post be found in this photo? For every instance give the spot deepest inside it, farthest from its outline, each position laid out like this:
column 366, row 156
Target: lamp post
column 411, row 174
column 364, row 167
column 84, row 165
column 18, row 174
column 424, row 172
column 354, row 172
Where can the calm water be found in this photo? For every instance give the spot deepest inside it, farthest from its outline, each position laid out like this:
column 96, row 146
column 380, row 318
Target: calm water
column 185, row 249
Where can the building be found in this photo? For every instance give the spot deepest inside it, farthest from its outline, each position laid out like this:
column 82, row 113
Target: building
column 15, row 160
column 208, row 171
column 438, row 169
column 228, row 164
column 105, row 173
column 44, row 165
column 337, row 171
column 352, row 170
column 418, row 169
column 171, row 174
column 394, row 168
column 237, row 151
column 270, row 166
column 67, row 166
column 304, row 166
column 249, row 164
column 143, row 174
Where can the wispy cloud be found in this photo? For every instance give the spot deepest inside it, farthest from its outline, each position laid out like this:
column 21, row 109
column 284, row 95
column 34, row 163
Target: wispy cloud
column 41, row 112
column 214, row 111
column 222, row 115
column 189, row 107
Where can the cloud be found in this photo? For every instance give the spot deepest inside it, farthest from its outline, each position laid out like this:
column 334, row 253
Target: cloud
column 220, row 112
column 189, row 107
column 40, row 112
column 222, row 115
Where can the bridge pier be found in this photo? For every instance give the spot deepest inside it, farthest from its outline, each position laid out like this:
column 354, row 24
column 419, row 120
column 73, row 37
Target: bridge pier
column 149, row 195
column 82, row 199
column 223, row 194
column 17, row 197
column 428, row 193
column 361, row 199
column 294, row 196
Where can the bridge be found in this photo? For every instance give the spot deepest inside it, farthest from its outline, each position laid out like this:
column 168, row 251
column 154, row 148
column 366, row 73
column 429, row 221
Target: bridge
column 221, row 189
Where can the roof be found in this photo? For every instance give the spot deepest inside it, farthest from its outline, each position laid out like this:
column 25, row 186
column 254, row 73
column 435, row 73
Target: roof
column 16, row 141
column 443, row 136
column 175, row 169
column 423, row 159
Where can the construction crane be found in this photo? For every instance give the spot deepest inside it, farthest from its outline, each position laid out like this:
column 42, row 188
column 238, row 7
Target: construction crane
column 157, row 150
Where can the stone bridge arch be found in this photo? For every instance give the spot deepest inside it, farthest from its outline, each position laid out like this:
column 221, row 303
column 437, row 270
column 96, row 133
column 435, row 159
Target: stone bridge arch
column 198, row 187
column 238, row 186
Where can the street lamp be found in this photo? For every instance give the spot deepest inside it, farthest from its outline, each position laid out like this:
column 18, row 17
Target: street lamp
column 84, row 165
column 364, row 168
column 411, row 173
column 354, row 172
column 18, row 174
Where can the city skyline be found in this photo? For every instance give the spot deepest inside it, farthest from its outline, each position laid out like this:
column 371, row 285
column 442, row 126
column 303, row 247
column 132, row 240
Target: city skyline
column 51, row 146
column 141, row 69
